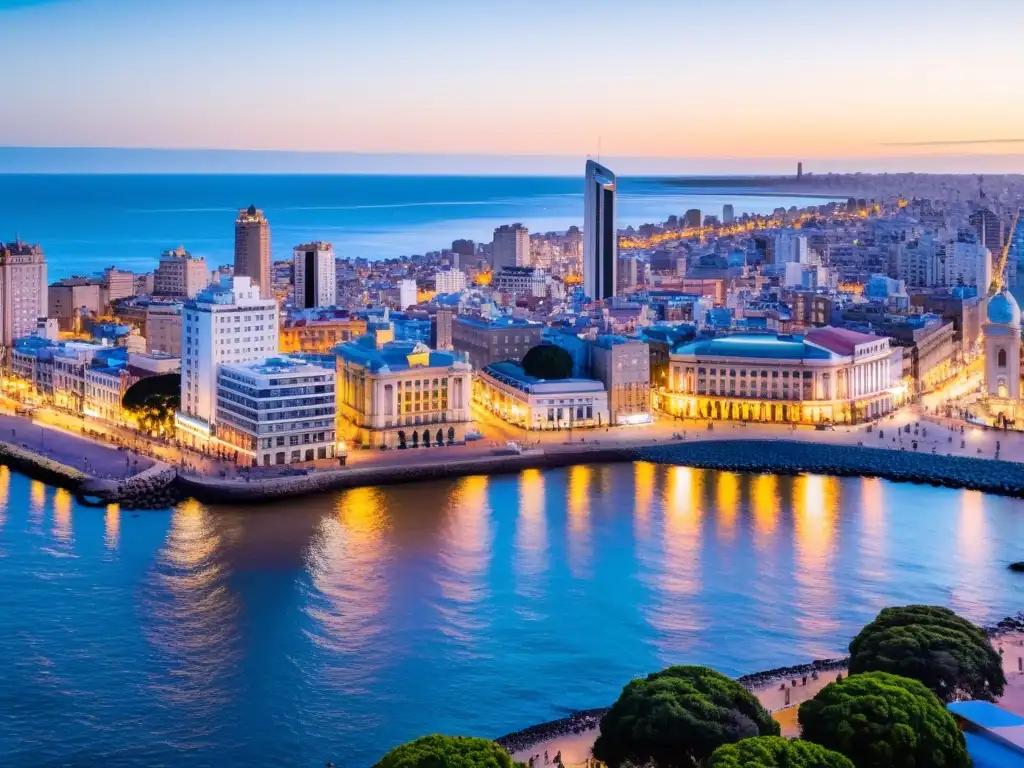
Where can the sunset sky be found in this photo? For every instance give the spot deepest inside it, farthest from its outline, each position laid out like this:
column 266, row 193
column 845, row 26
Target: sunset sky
column 722, row 81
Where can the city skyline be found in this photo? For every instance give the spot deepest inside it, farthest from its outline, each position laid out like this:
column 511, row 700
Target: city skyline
column 725, row 87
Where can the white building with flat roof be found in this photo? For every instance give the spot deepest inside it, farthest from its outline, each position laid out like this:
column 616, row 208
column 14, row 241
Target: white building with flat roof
column 314, row 275
column 276, row 411
column 226, row 323
column 406, row 293
column 525, row 401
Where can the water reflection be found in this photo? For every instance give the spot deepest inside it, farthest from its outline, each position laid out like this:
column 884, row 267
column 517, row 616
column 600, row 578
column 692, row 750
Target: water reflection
column 765, row 500
column 643, row 491
column 37, row 501
column 464, row 557
column 971, row 553
column 192, row 620
column 348, row 564
column 580, row 545
column 5, row 492
column 814, row 518
column 62, row 516
column 872, row 547
column 728, row 504
column 531, row 535
column 112, row 526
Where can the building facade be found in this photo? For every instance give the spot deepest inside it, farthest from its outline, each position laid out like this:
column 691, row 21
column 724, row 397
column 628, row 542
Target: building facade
column 163, row 327
column 511, row 246
column 252, row 249
column 1002, row 334
column 830, row 375
column 69, row 298
column 401, row 394
column 318, row 332
column 276, row 411
column 23, row 295
column 450, row 280
column 180, row 274
column 600, row 235
column 226, row 323
column 489, row 341
column 524, row 401
column 520, row 281
column 623, row 365
column 314, row 275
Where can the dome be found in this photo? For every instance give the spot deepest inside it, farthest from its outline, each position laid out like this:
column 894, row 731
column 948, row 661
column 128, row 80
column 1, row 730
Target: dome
column 1003, row 310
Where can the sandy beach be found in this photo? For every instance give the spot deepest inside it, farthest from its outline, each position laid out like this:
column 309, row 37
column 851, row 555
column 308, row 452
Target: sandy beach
column 575, row 747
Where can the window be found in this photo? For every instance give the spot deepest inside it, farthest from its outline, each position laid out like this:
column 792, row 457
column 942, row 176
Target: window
column 1001, row 358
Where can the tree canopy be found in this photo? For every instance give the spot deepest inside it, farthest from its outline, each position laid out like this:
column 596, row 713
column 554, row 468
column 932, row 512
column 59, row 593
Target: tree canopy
column 547, row 361
column 678, row 717
column 880, row 720
column 438, row 751
column 152, row 402
column 776, row 752
column 947, row 653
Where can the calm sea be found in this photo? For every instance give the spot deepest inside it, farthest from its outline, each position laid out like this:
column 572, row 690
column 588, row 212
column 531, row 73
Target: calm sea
column 89, row 222
column 336, row 628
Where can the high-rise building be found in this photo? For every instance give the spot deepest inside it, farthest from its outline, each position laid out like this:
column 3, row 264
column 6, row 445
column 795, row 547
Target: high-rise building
column 406, row 293
column 629, row 272
column 225, row 323
column 68, row 299
column 464, row 247
column 728, row 214
column 449, row 280
column 799, row 171
column 511, row 247
column 22, row 290
column 991, row 233
column 315, row 276
column 252, row 249
column 179, row 273
column 600, row 235
column 691, row 219
column 117, row 284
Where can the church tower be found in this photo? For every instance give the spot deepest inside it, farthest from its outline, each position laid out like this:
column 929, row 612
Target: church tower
column 1002, row 354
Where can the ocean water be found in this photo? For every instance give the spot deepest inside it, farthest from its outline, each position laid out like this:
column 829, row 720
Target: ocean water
column 336, row 628
column 88, row 222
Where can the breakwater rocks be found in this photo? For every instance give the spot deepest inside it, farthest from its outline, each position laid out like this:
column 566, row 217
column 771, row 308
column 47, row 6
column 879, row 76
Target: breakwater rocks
column 1006, row 626
column 577, row 722
column 154, row 488
column 770, row 677
column 1005, row 478
column 40, row 467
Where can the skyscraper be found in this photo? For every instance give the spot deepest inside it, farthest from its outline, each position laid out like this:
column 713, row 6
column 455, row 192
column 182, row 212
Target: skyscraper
column 600, row 235
column 315, row 279
column 511, row 247
column 23, row 293
column 252, row 249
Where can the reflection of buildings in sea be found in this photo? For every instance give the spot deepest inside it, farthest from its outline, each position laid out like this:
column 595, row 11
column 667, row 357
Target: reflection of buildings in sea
column 465, row 556
column 62, row 515
column 643, row 493
column 579, row 490
column 829, row 375
column 5, row 491
column 815, row 503
column 727, row 494
column 531, row 534
column 971, row 555
column 112, row 526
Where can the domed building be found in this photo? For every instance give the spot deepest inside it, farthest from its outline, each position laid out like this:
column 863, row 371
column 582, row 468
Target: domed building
column 1002, row 355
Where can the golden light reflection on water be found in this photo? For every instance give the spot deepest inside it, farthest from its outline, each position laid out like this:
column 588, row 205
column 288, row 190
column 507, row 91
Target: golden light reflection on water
column 465, row 556
column 5, row 492
column 815, row 500
column 728, row 496
column 62, row 515
column 872, row 513
column 765, row 501
column 531, row 533
column 348, row 561
column 675, row 606
column 191, row 615
column 972, row 553
column 37, row 500
column 643, row 485
column 580, row 545
column 112, row 526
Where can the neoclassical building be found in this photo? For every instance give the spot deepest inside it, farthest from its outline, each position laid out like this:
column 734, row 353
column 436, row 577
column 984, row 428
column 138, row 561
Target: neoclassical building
column 829, row 375
column 1002, row 355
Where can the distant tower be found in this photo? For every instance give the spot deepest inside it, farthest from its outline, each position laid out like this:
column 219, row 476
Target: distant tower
column 799, row 171
column 600, row 235
column 252, row 249
column 1002, row 354
column 314, row 276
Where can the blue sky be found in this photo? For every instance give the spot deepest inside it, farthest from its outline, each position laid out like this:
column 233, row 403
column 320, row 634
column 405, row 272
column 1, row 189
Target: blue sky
column 714, row 83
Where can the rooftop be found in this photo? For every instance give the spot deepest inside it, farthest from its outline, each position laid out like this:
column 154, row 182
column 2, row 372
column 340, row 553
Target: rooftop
column 277, row 365
column 757, row 346
column 498, row 322
column 839, row 340
column 513, row 374
column 393, row 355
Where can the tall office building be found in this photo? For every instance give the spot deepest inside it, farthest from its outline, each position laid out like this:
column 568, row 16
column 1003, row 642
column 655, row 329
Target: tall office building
column 118, row 284
column 22, row 290
column 511, row 247
column 179, row 273
column 406, row 293
column 600, row 235
column 316, row 283
column 728, row 214
column 225, row 323
column 991, row 233
column 252, row 249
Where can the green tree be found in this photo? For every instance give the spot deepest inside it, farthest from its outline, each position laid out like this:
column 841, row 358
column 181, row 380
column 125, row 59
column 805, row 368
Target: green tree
column 677, row 717
column 152, row 401
column 776, row 752
column 880, row 720
column 546, row 361
column 947, row 653
column 438, row 751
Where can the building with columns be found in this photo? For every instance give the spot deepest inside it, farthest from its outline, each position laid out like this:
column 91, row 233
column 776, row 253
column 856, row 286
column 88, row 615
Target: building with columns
column 830, row 375
column 401, row 394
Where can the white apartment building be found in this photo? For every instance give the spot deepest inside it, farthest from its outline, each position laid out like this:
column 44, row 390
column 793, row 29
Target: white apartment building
column 226, row 323
column 970, row 264
column 511, row 247
column 277, row 411
column 406, row 294
column 314, row 275
column 179, row 273
column 520, row 281
column 117, row 284
column 23, row 292
column 512, row 395
column 450, row 280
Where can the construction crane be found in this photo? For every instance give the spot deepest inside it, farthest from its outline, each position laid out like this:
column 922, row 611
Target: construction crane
column 1004, row 257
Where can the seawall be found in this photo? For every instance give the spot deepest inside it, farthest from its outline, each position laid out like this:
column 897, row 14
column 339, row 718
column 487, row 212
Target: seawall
column 40, row 467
